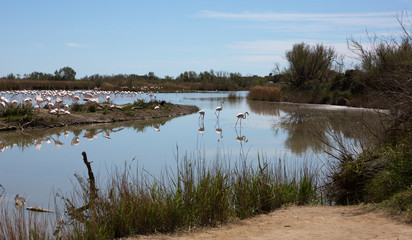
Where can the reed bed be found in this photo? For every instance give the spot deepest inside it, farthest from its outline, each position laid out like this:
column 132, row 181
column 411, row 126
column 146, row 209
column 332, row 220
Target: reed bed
column 195, row 193
column 265, row 93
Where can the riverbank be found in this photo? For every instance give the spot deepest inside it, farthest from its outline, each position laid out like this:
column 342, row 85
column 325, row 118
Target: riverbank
column 303, row 222
column 102, row 113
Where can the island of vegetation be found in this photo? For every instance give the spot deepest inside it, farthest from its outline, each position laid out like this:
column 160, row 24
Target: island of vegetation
column 24, row 116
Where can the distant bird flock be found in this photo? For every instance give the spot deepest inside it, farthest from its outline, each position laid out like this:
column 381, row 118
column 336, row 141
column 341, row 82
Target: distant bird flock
column 57, row 101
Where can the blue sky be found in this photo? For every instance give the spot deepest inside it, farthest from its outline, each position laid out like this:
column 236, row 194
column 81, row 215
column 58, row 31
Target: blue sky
column 169, row 37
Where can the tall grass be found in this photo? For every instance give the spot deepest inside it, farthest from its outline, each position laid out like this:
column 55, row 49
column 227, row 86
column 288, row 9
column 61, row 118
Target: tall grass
column 265, row 93
column 195, row 193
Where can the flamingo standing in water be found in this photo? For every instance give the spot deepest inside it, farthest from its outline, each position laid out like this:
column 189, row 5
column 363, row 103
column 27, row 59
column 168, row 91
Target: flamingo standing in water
column 219, row 109
column 241, row 116
column 202, row 114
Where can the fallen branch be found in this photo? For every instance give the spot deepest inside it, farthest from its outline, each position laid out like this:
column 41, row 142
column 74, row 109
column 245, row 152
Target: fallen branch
column 39, row 209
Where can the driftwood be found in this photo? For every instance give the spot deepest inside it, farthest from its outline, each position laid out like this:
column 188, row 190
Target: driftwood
column 92, row 186
column 39, row 209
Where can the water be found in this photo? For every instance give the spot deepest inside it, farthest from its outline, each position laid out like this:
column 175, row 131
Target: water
column 37, row 163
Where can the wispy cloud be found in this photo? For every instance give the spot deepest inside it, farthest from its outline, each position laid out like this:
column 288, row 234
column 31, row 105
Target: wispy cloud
column 76, row 45
column 381, row 19
column 38, row 45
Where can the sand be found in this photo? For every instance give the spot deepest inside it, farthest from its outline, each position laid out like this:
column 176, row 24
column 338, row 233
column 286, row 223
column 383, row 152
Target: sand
column 307, row 222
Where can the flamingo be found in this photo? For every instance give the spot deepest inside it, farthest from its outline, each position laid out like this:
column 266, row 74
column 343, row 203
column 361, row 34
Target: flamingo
column 241, row 116
column 202, row 114
column 39, row 100
column 219, row 109
column 28, row 101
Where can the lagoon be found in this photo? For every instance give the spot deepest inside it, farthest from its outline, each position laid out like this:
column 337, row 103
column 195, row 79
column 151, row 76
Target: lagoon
column 38, row 163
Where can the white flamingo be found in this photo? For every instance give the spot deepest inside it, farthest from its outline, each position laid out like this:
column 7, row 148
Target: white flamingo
column 241, row 116
column 202, row 114
column 219, row 109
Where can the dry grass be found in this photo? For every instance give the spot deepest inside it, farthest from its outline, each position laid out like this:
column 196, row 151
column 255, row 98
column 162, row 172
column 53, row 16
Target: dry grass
column 265, row 93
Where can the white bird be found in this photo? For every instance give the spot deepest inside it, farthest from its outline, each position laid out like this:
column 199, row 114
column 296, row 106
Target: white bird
column 202, row 114
column 19, row 201
column 58, row 102
column 76, row 98
column 28, row 101
column 39, row 100
column 219, row 109
column 241, row 116
column 15, row 103
column 157, row 107
column 5, row 100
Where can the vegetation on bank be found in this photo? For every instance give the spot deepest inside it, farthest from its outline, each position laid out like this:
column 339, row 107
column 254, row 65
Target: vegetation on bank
column 197, row 193
column 24, row 116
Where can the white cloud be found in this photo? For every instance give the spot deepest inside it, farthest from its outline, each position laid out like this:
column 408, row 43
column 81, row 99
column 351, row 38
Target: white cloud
column 76, row 45
column 38, row 45
column 375, row 19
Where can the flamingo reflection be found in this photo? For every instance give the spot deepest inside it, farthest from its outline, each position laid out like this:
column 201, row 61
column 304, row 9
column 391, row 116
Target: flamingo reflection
column 75, row 141
column 241, row 139
column 218, row 129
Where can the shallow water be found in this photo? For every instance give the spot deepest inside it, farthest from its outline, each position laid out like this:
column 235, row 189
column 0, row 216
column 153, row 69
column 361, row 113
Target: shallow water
column 37, row 163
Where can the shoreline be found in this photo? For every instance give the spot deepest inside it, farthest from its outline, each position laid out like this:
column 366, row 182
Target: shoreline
column 105, row 114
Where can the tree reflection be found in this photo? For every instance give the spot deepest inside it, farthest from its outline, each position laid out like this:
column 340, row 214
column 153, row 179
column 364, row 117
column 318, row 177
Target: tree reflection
column 314, row 127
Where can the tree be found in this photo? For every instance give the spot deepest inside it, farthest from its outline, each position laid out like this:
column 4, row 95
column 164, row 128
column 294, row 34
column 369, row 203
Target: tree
column 387, row 66
column 65, row 74
column 309, row 63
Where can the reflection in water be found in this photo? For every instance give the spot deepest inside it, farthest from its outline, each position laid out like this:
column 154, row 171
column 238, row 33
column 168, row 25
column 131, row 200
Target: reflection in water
column 264, row 108
column 75, row 141
column 241, row 139
column 218, row 129
column 27, row 138
column 91, row 134
column 57, row 143
column 308, row 126
column 201, row 129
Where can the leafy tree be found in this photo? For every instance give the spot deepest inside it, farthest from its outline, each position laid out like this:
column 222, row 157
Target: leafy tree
column 65, row 74
column 309, row 63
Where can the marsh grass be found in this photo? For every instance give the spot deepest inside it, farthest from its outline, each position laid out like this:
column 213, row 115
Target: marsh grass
column 195, row 194
column 19, row 111
column 24, row 225
column 265, row 93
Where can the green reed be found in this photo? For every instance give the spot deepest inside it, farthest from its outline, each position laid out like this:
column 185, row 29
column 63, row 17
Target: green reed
column 194, row 193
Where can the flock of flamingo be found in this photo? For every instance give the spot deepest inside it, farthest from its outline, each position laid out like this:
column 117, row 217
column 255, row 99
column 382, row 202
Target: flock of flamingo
column 56, row 101
column 239, row 116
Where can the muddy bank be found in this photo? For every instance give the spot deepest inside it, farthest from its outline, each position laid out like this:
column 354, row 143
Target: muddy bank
column 104, row 113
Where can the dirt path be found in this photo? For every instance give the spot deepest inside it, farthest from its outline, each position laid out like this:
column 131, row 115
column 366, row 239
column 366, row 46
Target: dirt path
column 319, row 222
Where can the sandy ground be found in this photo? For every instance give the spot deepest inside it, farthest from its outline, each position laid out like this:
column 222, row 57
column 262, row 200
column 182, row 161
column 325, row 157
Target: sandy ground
column 308, row 222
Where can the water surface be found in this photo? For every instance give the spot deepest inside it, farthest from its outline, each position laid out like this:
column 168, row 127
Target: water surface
column 33, row 163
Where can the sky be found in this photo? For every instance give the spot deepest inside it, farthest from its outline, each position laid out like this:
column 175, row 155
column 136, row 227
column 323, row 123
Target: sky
column 169, row 37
